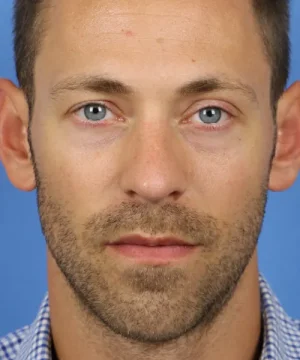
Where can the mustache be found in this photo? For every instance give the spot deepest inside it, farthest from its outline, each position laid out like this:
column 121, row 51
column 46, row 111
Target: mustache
column 168, row 219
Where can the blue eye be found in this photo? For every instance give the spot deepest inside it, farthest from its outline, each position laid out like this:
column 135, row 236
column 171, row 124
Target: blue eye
column 210, row 115
column 95, row 112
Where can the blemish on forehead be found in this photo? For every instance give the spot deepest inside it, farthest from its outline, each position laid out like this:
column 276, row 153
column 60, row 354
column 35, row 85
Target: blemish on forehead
column 128, row 32
column 160, row 40
column 193, row 60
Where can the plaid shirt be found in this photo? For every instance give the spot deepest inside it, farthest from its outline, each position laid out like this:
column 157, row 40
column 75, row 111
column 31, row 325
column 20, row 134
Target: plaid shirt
column 281, row 333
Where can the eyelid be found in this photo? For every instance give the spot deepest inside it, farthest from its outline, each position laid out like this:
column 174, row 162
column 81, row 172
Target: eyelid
column 111, row 107
column 231, row 110
column 225, row 109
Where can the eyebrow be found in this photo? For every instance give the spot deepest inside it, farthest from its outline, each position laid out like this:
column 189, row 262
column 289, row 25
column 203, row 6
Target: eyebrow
column 215, row 84
column 111, row 86
column 90, row 83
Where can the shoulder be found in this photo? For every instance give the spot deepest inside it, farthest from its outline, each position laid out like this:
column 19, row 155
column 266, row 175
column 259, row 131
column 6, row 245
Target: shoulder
column 10, row 344
column 281, row 332
column 30, row 341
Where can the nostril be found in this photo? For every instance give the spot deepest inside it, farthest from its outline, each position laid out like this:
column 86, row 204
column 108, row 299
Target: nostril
column 131, row 193
column 175, row 194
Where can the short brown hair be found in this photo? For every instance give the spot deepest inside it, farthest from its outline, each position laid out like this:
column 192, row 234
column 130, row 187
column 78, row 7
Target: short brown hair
column 272, row 16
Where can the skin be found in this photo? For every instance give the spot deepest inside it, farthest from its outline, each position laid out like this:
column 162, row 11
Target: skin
column 152, row 168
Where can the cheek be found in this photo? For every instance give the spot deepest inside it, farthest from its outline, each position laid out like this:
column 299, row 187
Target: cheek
column 227, row 181
column 75, row 175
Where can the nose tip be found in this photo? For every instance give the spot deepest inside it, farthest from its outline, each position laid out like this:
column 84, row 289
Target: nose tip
column 155, row 171
column 154, row 191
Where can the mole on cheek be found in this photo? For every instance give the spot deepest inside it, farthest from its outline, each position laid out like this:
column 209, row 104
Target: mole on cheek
column 128, row 32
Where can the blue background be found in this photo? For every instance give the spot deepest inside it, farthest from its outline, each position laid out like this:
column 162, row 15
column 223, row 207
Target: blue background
column 23, row 279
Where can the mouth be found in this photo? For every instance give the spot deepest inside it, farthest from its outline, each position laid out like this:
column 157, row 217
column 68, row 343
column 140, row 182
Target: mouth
column 150, row 250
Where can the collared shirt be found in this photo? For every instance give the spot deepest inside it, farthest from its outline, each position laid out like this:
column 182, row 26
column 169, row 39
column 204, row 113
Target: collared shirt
column 281, row 337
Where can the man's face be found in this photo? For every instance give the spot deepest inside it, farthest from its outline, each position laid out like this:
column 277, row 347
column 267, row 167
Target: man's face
column 155, row 160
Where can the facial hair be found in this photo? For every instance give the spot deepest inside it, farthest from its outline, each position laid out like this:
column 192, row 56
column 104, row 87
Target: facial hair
column 151, row 304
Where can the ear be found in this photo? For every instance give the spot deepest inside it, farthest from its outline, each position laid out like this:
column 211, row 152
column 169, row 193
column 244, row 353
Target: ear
column 14, row 146
column 286, row 162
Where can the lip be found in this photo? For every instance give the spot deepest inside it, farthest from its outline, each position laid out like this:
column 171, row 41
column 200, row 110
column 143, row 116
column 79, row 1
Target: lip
column 154, row 251
column 150, row 241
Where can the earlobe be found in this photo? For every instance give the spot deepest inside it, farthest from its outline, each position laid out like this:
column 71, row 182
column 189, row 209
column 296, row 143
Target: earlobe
column 286, row 162
column 14, row 147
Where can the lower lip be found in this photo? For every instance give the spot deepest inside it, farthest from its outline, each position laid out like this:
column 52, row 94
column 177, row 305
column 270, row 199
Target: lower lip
column 154, row 254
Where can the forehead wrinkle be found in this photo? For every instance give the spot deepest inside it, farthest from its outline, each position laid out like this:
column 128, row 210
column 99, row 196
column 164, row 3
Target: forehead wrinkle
column 121, row 14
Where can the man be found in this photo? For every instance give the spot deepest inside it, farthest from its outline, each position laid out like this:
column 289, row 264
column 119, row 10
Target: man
column 152, row 132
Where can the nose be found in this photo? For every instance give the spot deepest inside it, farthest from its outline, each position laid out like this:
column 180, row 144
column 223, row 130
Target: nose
column 155, row 167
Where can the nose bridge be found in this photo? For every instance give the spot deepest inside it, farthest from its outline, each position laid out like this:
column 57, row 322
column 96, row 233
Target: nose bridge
column 155, row 167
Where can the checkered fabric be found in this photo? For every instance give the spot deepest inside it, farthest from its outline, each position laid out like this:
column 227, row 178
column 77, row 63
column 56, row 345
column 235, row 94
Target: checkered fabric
column 281, row 333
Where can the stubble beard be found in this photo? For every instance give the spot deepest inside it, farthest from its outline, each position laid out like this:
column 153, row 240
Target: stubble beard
column 151, row 304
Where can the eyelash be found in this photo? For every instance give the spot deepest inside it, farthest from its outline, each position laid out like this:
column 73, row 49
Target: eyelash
column 211, row 126
column 90, row 123
column 186, row 120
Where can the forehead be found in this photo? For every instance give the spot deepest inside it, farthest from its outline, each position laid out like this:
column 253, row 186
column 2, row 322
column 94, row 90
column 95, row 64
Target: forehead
column 151, row 37
column 191, row 9
column 173, row 19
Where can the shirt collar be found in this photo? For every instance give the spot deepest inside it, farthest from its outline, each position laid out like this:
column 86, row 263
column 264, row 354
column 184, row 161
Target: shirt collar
column 281, row 338
column 37, row 345
column 281, row 332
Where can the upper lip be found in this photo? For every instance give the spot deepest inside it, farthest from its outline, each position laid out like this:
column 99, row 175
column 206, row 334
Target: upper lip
column 149, row 241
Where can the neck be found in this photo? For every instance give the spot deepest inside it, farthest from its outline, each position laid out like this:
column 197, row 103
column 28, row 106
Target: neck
column 234, row 335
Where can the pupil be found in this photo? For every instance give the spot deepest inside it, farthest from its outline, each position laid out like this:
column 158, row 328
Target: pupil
column 95, row 112
column 210, row 115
